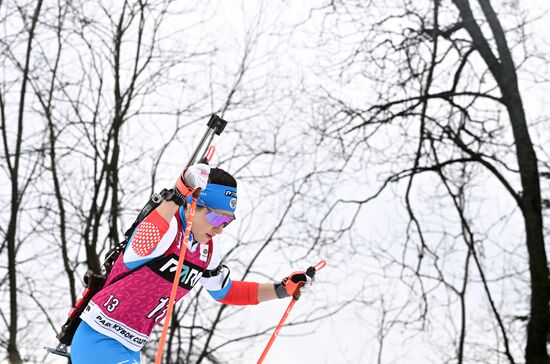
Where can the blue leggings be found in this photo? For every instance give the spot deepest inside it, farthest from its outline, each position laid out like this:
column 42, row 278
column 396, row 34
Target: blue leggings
column 91, row 347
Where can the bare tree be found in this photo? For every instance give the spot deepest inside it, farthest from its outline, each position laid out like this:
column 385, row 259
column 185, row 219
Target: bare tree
column 21, row 172
column 258, row 160
column 106, row 66
column 108, row 73
column 444, row 83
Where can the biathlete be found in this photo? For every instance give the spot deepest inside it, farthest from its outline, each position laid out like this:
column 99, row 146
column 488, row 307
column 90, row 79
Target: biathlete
column 118, row 320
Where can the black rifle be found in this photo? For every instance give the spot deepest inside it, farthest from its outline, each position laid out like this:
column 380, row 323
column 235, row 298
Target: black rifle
column 94, row 282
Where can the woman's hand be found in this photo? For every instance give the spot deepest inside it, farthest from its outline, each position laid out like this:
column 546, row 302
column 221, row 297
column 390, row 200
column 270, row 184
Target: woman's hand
column 294, row 283
column 195, row 176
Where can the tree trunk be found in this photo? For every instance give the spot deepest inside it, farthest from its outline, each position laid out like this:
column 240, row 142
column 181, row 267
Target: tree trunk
column 537, row 327
column 11, row 235
column 13, row 353
column 503, row 70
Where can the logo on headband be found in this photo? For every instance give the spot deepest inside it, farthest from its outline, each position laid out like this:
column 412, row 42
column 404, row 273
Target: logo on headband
column 233, row 203
column 230, row 194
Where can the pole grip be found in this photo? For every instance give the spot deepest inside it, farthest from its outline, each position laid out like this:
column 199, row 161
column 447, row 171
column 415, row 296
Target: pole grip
column 320, row 265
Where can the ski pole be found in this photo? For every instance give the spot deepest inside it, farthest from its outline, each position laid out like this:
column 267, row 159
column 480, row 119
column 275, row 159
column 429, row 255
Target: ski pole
column 177, row 276
column 310, row 272
column 215, row 125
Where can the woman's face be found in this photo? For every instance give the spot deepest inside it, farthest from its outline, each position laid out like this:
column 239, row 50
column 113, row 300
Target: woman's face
column 202, row 230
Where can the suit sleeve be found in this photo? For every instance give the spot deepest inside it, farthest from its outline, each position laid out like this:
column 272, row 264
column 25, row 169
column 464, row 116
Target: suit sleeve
column 151, row 238
column 224, row 290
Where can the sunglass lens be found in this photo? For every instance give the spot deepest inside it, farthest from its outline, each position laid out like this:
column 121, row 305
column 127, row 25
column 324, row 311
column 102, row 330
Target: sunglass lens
column 218, row 219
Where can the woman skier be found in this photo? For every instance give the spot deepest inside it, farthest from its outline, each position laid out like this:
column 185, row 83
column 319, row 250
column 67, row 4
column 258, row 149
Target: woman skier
column 118, row 320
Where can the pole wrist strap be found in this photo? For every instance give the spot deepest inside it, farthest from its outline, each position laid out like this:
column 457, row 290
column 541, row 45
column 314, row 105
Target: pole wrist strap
column 280, row 290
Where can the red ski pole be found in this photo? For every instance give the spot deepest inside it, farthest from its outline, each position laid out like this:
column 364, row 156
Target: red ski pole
column 172, row 299
column 295, row 298
column 183, row 249
column 215, row 126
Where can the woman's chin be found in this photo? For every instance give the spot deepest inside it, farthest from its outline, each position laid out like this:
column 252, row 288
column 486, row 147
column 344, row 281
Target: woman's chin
column 203, row 238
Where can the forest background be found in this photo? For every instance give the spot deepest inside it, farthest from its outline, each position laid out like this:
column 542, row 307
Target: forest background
column 405, row 142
